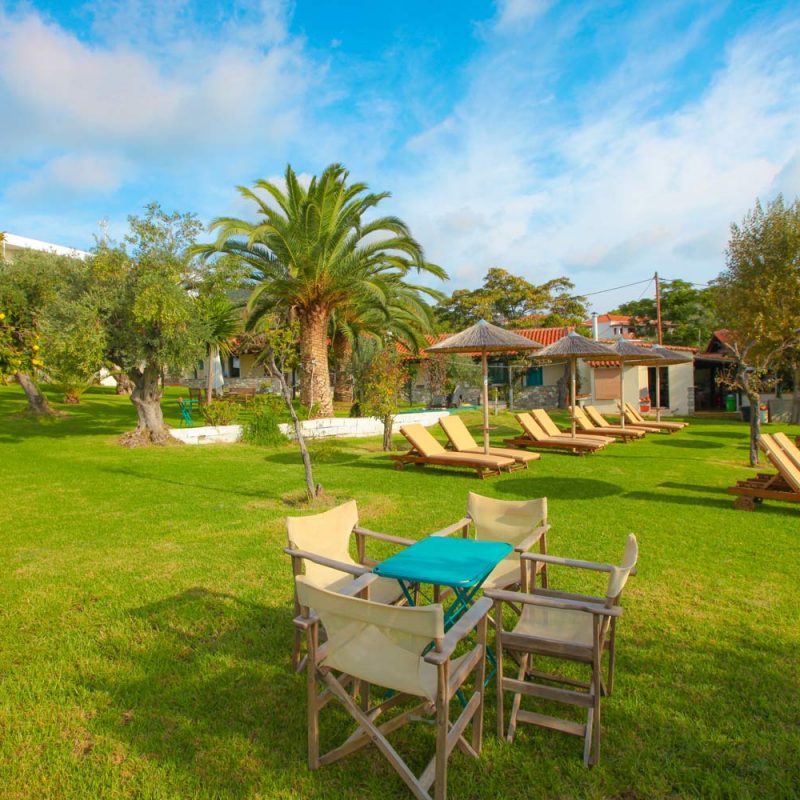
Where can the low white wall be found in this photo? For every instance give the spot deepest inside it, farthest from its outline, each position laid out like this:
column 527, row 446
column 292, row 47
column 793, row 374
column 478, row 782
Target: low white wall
column 208, row 434
column 312, row 428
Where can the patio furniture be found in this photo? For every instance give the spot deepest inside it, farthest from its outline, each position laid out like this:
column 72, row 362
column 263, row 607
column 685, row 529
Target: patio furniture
column 546, row 423
column 785, row 485
column 521, row 523
column 404, row 650
column 561, row 625
column 788, row 447
column 462, row 441
column 319, row 546
column 426, row 450
column 601, row 422
column 534, row 436
column 185, row 407
column 633, row 416
column 588, row 428
column 197, row 395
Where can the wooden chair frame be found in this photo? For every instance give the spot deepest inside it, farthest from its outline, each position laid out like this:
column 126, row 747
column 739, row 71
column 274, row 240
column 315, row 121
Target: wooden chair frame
column 363, row 566
column 535, row 683
column 449, row 681
column 783, row 485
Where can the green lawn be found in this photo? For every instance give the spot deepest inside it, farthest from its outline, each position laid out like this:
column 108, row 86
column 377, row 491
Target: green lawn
column 146, row 617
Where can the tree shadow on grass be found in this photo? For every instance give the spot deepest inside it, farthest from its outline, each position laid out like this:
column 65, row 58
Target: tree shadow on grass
column 558, row 488
column 708, row 502
column 688, row 445
column 743, row 434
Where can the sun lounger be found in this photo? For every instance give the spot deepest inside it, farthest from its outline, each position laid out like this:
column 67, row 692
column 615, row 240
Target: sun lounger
column 601, row 422
column 588, row 427
column 534, row 436
column 785, row 485
column 426, row 450
column 788, row 447
column 544, row 421
column 462, row 442
column 635, row 418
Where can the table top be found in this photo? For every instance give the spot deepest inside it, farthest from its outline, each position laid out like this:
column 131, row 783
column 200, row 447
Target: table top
column 445, row 561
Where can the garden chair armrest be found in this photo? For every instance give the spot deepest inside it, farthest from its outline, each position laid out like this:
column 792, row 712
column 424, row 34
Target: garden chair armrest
column 568, row 562
column 383, row 537
column 352, row 569
column 304, row 623
column 531, row 539
column 552, row 602
column 467, row 623
column 358, row 585
column 456, row 526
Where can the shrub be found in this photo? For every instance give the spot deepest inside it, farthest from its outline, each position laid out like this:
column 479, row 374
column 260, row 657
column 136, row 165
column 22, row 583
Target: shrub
column 261, row 425
column 222, row 412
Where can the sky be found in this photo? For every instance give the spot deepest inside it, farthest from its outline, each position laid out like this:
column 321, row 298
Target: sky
column 595, row 139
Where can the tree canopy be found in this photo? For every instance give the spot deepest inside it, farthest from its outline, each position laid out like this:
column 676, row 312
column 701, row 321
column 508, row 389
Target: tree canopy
column 511, row 301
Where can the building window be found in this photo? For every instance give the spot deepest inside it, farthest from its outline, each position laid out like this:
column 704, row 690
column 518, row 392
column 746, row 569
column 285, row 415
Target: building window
column 234, row 367
column 497, row 374
column 606, row 384
column 534, row 376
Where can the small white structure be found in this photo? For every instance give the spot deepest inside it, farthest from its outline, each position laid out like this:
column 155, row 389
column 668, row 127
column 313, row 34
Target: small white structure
column 325, row 427
column 11, row 244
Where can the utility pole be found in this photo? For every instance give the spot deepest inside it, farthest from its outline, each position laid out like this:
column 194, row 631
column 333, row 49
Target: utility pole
column 658, row 310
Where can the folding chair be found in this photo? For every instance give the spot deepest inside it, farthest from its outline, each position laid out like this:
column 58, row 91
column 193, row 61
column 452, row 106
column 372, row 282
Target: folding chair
column 319, row 545
column 401, row 649
column 561, row 625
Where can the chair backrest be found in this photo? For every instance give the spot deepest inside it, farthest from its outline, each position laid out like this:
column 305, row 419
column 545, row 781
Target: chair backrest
column 788, row 447
column 596, row 417
column 422, row 440
column 505, row 520
column 374, row 642
column 545, row 423
column 619, row 575
column 530, row 427
column 326, row 534
column 780, row 461
column 580, row 417
column 457, row 432
column 634, row 412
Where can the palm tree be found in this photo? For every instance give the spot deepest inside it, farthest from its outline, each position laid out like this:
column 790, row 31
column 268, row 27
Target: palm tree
column 403, row 315
column 222, row 321
column 312, row 252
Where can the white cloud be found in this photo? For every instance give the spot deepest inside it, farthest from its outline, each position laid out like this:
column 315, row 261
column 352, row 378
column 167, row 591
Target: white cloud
column 514, row 12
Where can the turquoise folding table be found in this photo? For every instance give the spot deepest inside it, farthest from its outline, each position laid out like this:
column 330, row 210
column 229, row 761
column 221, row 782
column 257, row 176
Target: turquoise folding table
column 461, row 564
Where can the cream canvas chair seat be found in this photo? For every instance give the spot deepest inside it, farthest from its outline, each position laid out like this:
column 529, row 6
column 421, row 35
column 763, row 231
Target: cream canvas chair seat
column 319, row 546
column 404, row 650
column 534, row 436
column 545, row 422
column 561, row 625
column 463, row 442
column 426, row 450
column 633, row 416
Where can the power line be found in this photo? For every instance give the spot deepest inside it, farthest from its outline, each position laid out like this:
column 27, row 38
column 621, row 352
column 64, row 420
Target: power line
column 614, row 288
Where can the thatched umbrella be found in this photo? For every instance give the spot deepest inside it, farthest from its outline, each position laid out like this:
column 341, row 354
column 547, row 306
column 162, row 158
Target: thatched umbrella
column 632, row 354
column 572, row 347
column 484, row 338
column 666, row 358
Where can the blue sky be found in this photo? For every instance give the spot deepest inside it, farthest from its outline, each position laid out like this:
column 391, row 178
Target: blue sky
column 595, row 139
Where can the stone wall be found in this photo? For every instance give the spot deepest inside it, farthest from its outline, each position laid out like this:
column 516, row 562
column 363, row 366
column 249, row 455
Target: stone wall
column 536, row 397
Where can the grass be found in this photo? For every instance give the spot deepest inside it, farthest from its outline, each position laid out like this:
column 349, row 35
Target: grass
column 146, row 616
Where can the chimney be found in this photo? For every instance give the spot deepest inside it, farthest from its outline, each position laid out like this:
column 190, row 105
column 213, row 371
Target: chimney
column 595, row 328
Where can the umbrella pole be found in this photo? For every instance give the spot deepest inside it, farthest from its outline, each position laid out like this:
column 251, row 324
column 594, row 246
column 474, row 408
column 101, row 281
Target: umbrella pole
column 573, row 362
column 485, row 367
column 622, row 393
column 658, row 394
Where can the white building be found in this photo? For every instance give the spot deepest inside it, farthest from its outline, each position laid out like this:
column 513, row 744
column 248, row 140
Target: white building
column 11, row 244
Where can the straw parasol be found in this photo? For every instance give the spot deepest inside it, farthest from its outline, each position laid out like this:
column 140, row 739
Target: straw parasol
column 572, row 347
column 484, row 338
column 633, row 354
column 666, row 358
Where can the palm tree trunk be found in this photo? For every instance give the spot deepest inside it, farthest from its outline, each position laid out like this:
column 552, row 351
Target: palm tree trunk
column 343, row 366
column 315, row 384
column 37, row 404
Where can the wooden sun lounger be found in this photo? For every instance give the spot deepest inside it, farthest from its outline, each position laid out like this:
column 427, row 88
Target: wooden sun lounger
column 587, row 427
column 535, row 437
column 463, row 442
column 635, row 418
column 426, row 450
column 601, row 422
column 544, row 421
column 788, row 447
column 785, row 485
